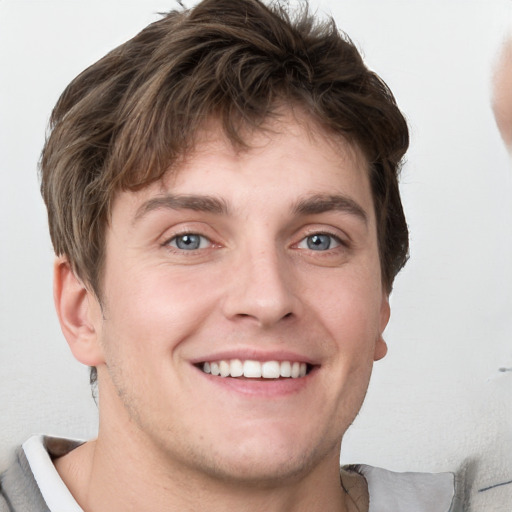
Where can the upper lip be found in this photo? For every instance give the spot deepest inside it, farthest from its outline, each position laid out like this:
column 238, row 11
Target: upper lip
column 255, row 355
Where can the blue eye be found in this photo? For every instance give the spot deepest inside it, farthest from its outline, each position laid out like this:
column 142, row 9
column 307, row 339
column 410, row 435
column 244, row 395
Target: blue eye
column 319, row 242
column 189, row 242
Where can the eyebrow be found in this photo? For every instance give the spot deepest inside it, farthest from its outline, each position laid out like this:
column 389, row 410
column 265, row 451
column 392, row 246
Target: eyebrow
column 321, row 203
column 311, row 205
column 182, row 202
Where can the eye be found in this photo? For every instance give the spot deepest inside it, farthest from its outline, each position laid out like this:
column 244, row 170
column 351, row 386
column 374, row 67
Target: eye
column 319, row 242
column 189, row 242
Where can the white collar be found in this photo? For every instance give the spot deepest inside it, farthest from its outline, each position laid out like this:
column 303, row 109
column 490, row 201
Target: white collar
column 54, row 490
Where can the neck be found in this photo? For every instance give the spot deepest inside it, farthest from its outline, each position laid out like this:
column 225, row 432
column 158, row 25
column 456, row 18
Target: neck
column 110, row 475
column 126, row 470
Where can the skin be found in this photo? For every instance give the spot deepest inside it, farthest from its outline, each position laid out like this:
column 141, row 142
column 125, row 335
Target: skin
column 502, row 93
column 174, row 438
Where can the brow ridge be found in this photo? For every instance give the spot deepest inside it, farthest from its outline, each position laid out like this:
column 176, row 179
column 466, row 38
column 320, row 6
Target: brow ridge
column 311, row 205
column 321, row 203
column 198, row 203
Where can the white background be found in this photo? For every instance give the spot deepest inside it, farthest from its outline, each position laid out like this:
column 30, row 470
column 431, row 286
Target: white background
column 438, row 401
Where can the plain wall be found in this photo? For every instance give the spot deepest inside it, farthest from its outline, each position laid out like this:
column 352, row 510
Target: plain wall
column 442, row 398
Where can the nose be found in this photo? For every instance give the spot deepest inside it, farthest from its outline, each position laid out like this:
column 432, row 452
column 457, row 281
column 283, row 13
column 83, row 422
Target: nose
column 261, row 288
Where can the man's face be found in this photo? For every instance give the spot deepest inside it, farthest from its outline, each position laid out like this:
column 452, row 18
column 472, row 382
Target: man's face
column 264, row 260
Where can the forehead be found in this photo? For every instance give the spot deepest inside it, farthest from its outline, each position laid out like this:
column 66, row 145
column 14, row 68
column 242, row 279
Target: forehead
column 282, row 143
column 292, row 153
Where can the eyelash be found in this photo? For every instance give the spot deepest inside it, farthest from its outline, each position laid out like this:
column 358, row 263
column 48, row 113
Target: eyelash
column 177, row 236
column 333, row 238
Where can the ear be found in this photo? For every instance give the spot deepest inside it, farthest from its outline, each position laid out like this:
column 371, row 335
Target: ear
column 381, row 348
column 79, row 314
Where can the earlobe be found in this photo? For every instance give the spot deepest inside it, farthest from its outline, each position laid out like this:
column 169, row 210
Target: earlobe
column 79, row 314
column 381, row 348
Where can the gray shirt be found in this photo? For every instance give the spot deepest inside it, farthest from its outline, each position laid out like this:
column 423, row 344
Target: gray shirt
column 388, row 491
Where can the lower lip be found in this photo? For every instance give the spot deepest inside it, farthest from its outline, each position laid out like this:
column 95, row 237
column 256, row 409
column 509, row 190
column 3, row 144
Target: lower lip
column 260, row 387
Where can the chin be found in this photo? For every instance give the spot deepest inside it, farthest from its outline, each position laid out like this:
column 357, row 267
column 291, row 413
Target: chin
column 266, row 459
column 262, row 469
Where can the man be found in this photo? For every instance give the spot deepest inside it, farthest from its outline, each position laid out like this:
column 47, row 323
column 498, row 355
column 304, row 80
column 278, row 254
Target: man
column 223, row 202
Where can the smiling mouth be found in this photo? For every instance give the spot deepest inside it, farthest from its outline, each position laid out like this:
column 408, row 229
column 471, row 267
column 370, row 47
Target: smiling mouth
column 251, row 369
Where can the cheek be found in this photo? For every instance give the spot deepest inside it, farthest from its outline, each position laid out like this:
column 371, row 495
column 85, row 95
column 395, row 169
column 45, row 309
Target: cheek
column 349, row 307
column 155, row 307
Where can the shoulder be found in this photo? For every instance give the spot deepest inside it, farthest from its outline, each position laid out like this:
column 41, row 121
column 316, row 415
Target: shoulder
column 31, row 482
column 19, row 491
column 390, row 491
column 4, row 507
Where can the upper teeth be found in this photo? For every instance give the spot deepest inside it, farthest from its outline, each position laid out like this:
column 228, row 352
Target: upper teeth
column 255, row 369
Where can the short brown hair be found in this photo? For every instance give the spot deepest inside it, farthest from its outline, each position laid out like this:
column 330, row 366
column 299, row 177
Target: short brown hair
column 126, row 119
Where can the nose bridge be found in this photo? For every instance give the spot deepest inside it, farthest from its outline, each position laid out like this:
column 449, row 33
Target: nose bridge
column 261, row 286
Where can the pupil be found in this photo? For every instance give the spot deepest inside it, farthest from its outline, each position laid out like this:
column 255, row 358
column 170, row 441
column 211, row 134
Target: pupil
column 319, row 242
column 188, row 242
